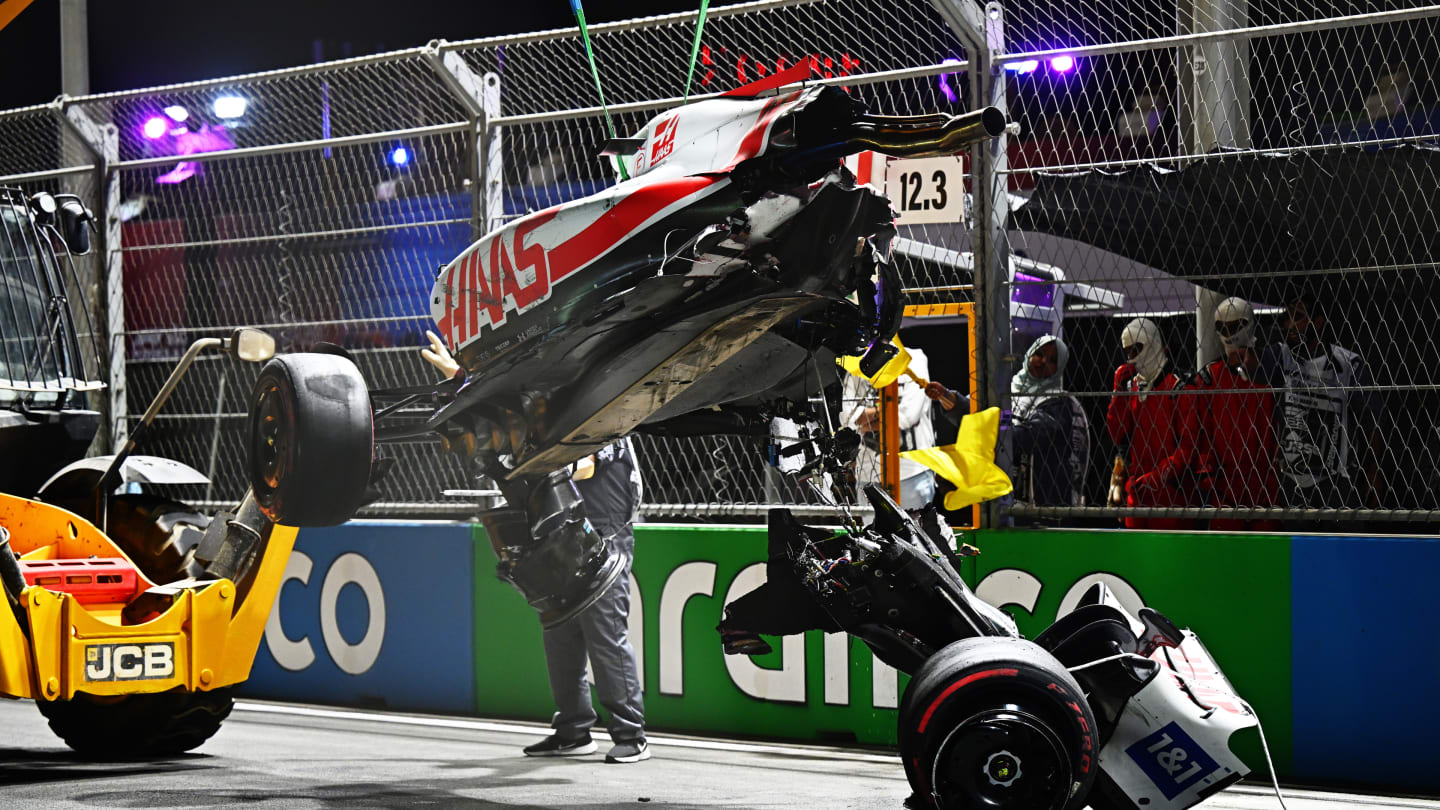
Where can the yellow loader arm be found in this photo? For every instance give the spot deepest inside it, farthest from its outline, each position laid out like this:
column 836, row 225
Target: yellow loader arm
column 190, row 635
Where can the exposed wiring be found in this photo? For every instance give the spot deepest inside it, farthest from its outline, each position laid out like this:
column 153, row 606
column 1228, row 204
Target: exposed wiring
column 665, row 252
column 1097, row 662
column 1265, row 746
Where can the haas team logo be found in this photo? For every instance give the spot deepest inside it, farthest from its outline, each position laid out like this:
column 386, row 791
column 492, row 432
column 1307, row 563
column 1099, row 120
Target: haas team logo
column 509, row 272
column 664, row 141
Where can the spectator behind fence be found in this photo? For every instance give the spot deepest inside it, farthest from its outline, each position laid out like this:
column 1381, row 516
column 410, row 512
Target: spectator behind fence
column 1155, row 431
column 1323, row 405
column 1050, row 433
column 917, row 483
column 1236, row 466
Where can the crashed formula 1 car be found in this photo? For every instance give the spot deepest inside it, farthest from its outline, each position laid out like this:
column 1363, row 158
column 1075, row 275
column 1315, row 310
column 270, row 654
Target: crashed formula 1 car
column 1103, row 708
column 703, row 293
column 711, row 291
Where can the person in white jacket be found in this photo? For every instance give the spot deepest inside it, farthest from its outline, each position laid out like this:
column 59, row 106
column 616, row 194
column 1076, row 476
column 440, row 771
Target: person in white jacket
column 861, row 411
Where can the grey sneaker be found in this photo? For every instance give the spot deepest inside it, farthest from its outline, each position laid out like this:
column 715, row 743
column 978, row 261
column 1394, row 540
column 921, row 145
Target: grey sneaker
column 629, row 751
column 554, row 746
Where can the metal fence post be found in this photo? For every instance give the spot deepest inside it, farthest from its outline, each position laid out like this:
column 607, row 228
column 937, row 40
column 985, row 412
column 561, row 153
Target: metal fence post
column 102, row 142
column 481, row 98
column 1214, row 111
column 114, row 289
column 981, row 30
column 77, row 127
column 489, row 158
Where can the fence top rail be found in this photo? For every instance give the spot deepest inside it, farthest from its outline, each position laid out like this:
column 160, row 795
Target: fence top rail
column 294, row 146
column 32, row 110
column 48, row 174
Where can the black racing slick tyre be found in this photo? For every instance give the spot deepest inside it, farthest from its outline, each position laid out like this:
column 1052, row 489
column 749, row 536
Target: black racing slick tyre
column 311, row 439
column 132, row 726
column 997, row 723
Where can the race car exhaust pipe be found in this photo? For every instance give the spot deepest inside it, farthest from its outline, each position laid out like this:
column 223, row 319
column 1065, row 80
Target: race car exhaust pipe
column 905, row 136
column 925, row 135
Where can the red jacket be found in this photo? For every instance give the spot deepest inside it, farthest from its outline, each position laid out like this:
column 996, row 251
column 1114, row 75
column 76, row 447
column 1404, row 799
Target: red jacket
column 1162, row 432
column 1238, row 457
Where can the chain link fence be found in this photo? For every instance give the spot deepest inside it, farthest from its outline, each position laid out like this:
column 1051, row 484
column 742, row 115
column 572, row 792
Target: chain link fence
column 48, row 151
column 1256, row 181
column 1169, row 156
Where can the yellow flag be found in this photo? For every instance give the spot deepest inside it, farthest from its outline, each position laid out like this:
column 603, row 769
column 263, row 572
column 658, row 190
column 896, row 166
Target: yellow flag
column 969, row 463
column 888, row 373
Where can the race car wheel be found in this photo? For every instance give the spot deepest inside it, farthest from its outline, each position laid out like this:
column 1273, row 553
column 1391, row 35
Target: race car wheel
column 161, row 724
column 311, row 439
column 997, row 723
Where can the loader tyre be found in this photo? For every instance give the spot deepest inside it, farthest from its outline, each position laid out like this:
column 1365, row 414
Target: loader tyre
column 311, row 439
column 997, row 723
column 132, row 726
column 159, row 534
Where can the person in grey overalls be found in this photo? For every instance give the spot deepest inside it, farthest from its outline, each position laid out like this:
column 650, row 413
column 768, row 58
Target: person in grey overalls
column 609, row 482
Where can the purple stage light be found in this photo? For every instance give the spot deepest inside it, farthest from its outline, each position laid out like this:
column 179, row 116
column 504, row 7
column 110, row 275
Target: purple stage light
column 183, row 171
column 945, row 88
column 206, row 139
column 155, row 128
column 1063, row 63
column 1028, row 66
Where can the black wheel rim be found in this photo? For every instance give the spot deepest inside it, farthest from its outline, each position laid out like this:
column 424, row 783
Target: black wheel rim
column 272, row 437
column 1004, row 758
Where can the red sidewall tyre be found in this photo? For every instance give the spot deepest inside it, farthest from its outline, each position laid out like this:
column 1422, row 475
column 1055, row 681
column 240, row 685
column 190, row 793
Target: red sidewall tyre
column 997, row 723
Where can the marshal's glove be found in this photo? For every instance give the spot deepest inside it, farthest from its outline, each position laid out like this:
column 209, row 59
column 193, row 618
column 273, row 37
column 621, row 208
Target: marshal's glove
column 1118, row 474
column 1123, row 375
column 439, row 356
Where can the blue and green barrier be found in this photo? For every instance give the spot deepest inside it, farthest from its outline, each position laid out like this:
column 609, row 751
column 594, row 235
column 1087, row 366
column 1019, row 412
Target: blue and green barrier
column 1332, row 638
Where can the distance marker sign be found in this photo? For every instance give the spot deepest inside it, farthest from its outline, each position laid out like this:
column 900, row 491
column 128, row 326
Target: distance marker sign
column 926, row 189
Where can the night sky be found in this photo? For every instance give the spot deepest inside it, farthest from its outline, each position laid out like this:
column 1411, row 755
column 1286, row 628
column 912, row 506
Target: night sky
column 142, row 43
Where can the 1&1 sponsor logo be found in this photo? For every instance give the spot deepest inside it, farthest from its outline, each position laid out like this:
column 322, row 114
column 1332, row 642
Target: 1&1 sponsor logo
column 1172, row 759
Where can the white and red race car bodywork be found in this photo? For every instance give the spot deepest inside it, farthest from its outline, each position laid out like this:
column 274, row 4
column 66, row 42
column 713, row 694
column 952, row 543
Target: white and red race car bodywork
column 684, row 159
column 712, row 274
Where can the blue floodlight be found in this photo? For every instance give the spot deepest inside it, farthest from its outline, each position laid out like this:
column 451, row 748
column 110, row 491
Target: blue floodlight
column 400, row 156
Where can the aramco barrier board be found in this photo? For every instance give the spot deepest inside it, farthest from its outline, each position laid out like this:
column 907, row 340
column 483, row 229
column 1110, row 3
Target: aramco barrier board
column 411, row 617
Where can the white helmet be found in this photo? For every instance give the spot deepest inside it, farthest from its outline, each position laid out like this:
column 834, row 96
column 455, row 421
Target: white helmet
column 1235, row 323
column 1144, row 348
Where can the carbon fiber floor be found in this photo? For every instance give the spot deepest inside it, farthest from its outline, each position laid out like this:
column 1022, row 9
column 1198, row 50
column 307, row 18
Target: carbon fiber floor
column 275, row 755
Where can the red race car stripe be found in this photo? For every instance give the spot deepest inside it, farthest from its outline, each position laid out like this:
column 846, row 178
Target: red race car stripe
column 755, row 138
column 799, row 73
column 605, row 233
column 473, row 289
column 963, row 682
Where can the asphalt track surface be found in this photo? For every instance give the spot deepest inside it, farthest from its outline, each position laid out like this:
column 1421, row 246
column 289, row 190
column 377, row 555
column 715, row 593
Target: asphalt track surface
column 270, row 755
